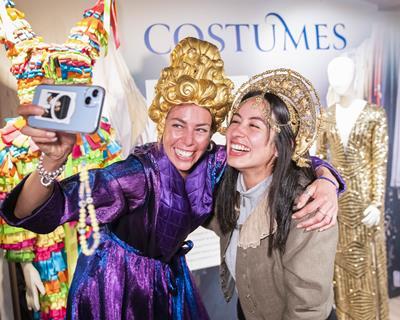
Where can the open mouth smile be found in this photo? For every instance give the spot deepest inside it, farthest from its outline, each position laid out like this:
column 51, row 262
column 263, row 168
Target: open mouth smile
column 239, row 147
column 183, row 153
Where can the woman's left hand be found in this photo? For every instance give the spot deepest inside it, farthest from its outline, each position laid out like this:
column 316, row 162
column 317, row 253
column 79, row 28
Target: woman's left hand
column 319, row 200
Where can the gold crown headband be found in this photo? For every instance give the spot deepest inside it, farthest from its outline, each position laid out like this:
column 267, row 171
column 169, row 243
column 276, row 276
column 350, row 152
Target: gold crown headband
column 301, row 100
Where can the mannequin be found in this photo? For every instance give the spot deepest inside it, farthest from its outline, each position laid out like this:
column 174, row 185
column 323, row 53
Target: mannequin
column 34, row 285
column 355, row 140
column 341, row 77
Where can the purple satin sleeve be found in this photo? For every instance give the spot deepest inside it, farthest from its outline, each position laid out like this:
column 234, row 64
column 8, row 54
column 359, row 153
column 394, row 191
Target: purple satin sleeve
column 317, row 162
column 116, row 190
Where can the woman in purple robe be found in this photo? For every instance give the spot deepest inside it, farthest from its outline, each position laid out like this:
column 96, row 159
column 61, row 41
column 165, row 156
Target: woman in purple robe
column 149, row 203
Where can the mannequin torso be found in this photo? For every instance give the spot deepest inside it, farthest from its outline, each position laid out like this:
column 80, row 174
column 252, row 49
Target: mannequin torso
column 346, row 117
column 341, row 76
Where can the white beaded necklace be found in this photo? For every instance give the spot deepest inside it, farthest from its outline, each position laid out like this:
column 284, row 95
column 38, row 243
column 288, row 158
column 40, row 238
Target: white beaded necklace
column 86, row 207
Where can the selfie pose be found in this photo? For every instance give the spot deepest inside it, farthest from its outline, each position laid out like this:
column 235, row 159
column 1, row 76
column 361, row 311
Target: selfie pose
column 279, row 271
column 149, row 203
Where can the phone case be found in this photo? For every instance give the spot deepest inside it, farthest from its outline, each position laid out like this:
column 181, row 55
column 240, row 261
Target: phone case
column 69, row 108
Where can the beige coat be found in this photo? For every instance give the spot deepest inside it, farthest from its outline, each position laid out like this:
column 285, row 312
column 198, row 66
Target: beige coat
column 295, row 285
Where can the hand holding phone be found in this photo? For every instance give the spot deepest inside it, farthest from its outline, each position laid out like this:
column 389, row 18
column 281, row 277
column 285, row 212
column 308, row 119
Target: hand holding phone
column 68, row 108
column 56, row 145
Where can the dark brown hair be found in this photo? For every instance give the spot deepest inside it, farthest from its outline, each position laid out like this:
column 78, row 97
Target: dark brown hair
column 287, row 183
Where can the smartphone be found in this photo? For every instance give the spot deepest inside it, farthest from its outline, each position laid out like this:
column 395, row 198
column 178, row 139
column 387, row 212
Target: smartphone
column 68, row 108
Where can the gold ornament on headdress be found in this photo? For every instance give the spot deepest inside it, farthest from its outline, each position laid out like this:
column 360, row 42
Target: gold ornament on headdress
column 196, row 75
column 301, row 100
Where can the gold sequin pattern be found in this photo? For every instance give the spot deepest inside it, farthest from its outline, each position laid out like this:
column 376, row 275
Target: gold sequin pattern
column 360, row 279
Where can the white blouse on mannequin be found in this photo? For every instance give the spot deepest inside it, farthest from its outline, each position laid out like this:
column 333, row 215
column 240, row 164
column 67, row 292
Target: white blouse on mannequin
column 346, row 117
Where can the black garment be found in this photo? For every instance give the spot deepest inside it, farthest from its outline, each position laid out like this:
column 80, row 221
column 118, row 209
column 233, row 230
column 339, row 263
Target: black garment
column 332, row 316
column 240, row 313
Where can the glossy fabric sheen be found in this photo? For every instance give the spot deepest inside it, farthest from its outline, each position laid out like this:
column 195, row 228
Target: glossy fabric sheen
column 147, row 210
column 148, row 207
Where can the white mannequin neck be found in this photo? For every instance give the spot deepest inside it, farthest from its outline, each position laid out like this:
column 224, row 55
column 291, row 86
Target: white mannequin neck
column 348, row 100
column 347, row 112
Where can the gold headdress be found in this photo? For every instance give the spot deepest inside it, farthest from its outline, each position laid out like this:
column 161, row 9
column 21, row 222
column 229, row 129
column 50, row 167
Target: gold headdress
column 196, row 75
column 301, row 100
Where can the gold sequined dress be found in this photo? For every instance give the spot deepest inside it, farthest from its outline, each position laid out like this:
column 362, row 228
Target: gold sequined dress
column 360, row 279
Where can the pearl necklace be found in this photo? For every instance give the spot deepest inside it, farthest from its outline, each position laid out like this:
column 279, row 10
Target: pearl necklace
column 86, row 206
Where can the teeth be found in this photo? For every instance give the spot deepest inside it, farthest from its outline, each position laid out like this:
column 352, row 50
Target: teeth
column 239, row 147
column 183, row 153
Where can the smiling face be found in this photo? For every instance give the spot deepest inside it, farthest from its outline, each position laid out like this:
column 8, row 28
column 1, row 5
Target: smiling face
column 250, row 140
column 186, row 135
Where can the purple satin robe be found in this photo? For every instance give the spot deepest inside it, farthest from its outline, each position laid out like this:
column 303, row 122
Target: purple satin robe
column 148, row 210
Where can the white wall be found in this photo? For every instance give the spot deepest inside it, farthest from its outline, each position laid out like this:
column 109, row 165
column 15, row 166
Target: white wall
column 135, row 19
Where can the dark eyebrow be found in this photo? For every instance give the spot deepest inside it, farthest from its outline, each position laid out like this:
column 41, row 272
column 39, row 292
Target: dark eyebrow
column 203, row 124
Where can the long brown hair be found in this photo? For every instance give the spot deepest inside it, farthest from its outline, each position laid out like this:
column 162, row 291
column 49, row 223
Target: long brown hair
column 287, row 182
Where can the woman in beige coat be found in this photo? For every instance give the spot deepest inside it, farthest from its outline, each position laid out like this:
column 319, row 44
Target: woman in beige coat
column 279, row 270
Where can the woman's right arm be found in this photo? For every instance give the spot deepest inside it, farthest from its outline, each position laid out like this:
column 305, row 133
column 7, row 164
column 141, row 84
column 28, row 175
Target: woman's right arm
column 118, row 189
column 33, row 194
column 56, row 146
column 115, row 189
